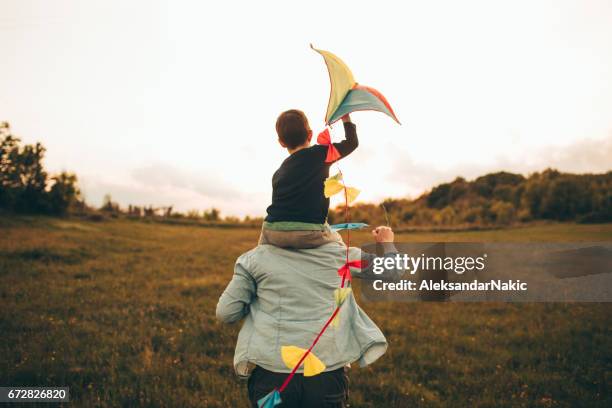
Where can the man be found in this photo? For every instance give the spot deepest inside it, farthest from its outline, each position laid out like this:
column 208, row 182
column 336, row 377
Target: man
column 286, row 297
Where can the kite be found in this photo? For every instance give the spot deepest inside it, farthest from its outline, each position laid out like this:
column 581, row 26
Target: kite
column 346, row 95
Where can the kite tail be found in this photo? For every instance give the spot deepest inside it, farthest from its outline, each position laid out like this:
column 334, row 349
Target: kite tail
column 316, row 340
column 337, row 310
column 348, row 231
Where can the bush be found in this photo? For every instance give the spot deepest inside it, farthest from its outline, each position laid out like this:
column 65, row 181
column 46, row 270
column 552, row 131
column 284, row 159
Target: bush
column 503, row 212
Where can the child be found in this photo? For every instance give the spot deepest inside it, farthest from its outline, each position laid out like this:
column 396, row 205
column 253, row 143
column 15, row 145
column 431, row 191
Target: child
column 298, row 213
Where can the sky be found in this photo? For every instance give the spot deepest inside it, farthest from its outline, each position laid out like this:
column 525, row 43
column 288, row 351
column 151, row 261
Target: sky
column 174, row 102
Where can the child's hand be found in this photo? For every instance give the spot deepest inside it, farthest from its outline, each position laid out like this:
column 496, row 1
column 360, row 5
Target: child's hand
column 383, row 234
column 346, row 118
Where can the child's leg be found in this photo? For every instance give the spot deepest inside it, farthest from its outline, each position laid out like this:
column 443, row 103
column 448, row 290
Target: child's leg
column 298, row 239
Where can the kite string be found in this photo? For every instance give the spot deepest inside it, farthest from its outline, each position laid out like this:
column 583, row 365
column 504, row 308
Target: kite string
column 316, row 340
column 348, row 230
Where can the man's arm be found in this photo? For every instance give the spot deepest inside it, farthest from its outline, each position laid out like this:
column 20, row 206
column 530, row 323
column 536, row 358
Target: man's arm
column 350, row 141
column 234, row 302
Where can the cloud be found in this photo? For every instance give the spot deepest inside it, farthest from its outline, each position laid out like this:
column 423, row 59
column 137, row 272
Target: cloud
column 162, row 184
column 163, row 175
column 585, row 156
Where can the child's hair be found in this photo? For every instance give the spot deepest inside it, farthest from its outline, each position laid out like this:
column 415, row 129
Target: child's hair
column 292, row 128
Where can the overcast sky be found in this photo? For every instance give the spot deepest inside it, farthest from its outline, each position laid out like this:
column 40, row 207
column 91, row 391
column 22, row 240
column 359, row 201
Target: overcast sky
column 175, row 102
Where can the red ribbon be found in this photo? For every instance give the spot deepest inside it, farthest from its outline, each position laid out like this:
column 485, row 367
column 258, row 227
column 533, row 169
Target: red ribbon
column 324, row 139
column 345, row 270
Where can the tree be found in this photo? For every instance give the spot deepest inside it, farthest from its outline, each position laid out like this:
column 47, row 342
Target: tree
column 109, row 206
column 503, row 212
column 64, row 193
column 212, row 215
column 439, row 197
column 24, row 183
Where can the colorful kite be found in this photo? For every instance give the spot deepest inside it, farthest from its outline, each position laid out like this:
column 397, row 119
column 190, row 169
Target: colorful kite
column 346, row 95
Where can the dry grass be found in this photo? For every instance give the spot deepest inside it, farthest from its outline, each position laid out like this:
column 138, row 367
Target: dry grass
column 123, row 313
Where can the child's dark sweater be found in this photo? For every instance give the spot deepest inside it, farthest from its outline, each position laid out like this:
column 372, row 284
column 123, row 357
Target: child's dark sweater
column 297, row 185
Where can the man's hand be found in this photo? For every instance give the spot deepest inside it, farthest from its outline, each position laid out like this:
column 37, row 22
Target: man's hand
column 346, row 118
column 383, row 234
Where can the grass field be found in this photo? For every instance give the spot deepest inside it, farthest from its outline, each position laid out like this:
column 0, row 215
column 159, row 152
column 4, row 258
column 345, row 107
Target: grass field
column 122, row 312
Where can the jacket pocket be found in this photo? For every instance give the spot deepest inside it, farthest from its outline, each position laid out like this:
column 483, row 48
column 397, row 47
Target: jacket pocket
column 263, row 340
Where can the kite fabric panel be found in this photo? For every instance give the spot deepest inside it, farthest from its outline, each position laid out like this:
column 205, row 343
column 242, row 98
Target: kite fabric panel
column 346, row 95
column 341, row 79
column 363, row 98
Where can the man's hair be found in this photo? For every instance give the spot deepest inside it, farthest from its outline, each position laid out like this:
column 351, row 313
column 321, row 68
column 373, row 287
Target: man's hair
column 292, row 128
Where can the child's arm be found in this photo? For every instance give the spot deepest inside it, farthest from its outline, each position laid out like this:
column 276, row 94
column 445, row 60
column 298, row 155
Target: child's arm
column 350, row 141
column 234, row 302
column 384, row 237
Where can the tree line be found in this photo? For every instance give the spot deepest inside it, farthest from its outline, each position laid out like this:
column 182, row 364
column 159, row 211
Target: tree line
column 500, row 198
column 27, row 188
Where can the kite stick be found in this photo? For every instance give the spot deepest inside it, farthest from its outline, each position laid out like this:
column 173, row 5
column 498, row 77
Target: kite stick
column 386, row 214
